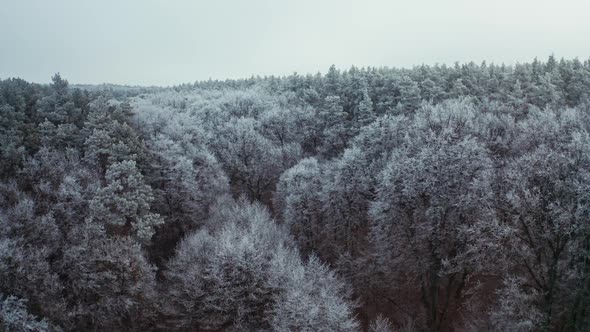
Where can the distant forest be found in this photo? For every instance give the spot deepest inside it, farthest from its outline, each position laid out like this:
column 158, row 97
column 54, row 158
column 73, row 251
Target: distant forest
column 437, row 198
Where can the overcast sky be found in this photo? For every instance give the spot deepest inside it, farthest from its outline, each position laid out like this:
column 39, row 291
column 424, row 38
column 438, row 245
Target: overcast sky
column 169, row 42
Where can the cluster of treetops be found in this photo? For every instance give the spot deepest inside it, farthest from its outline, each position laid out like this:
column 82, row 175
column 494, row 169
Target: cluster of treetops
column 437, row 198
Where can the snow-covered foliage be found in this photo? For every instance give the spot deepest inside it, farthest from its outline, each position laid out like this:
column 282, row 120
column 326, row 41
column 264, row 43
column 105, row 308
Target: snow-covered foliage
column 15, row 317
column 246, row 275
column 426, row 199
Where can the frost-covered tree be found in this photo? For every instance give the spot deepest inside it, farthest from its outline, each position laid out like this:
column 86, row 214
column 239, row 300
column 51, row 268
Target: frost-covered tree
column 123, row 205
column 246, row 275
column 69, row 264
column 331, row 127
column 14, row 316
column 409, row 95
column 313, row 298
column 287, row 126
column 57, row 107
column 365, row 114
column 12, row 151
column 546, row 232
column 109, row 138
column 26, row 272
column 298, row 204
column 186, row 181
column 381, row 324
column 429, row 216
column 252, row 162
column 110, row 284
column 346, row 194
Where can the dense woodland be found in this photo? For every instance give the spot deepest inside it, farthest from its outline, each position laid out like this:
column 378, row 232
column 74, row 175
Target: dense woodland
column 437, row 198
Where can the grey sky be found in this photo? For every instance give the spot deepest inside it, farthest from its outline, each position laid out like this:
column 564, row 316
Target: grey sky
column 169, row 42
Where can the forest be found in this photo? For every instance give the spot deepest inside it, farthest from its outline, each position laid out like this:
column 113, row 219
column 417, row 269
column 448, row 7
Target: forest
column 432, row 198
